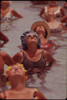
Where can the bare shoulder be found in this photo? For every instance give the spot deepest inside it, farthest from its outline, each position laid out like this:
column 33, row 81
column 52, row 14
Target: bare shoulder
column 2, row 95
column 18, row 57
column 3, row 53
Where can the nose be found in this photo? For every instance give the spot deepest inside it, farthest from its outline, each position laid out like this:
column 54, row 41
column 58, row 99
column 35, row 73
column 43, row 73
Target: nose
column 32, row 37
column 16, row 69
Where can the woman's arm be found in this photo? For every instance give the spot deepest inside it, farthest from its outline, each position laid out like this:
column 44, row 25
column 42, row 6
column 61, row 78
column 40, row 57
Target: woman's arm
column 53, row 43
column 16, row 14
column 18, row 57
column 39, row 95
column 7, row 58
column 49, row 58
column 42, row 12
column 64, row 19
column 4, row 38
column 62, row 12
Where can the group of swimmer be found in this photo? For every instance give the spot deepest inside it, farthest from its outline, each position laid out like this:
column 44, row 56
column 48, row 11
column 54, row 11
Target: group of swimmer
column 35, row 55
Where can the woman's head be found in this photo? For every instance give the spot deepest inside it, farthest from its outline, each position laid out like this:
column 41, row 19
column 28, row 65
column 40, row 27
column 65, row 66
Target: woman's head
column 41, row 27
column 41, row 30
column 5, row 4
column 52, row 3
column 30, row 37
column 49, row 17
column 16, row 72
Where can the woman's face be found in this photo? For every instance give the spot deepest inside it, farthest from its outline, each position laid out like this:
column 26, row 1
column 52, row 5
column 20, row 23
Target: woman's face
column 40, row 30
column 31, row 38
column 16, row 70
column 4, row 5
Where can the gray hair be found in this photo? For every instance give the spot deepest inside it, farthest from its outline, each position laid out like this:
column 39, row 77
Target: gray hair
column 23, row 40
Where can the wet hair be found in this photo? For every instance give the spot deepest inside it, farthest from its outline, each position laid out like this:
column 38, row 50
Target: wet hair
column 46, row 33
column 23, row 40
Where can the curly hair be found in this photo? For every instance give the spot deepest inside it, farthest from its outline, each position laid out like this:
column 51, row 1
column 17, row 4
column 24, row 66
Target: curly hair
column 23, row 40
column 8, row 69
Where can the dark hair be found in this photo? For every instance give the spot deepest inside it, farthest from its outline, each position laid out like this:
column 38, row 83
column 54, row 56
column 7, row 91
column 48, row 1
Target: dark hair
column 46, row 33
column 23, row 40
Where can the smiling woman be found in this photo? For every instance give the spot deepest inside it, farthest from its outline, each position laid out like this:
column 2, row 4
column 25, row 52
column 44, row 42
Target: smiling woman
column 17, row 76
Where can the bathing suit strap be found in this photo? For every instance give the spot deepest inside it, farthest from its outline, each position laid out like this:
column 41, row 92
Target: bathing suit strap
column 35, row 94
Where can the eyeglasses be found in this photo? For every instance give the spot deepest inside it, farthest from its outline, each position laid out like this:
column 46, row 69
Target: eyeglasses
column 28, row 35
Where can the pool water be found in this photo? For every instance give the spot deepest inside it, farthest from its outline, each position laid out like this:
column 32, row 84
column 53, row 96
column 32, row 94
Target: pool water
column 52, row 83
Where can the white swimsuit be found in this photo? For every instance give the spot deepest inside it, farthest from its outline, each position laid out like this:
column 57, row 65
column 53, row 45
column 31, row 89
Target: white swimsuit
column 8, row 15
column 55, row 12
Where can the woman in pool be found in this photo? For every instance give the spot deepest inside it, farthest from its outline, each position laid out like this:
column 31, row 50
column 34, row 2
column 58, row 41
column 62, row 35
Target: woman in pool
column 3, row 38
column 52, row 8
column 42, row 29
column 7, row 12
column 54, row 25
column 17, row 76
column 32, row 57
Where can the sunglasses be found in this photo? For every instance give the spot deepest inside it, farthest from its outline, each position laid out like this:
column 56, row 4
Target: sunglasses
column 28, row 35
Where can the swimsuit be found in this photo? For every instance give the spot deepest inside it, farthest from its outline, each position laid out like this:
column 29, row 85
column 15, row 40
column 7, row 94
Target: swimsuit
column 56, row 30
column 33, row 98
column 47, row 45
column 7, row 16
column 30, row 65
column 55, row 12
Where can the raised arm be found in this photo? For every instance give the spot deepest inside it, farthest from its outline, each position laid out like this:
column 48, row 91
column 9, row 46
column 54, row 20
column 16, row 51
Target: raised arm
column 16, row 14
column 18, row 57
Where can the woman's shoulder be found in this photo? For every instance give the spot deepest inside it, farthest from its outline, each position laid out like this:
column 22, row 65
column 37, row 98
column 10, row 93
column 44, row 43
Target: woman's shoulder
column 3, row 95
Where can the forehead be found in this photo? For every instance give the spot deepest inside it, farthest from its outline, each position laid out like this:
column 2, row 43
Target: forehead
column 15, row 66
column 40, row 26
column 30, row 33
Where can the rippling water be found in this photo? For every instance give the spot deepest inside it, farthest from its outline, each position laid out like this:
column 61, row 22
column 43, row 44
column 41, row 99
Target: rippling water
column 53, row 82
